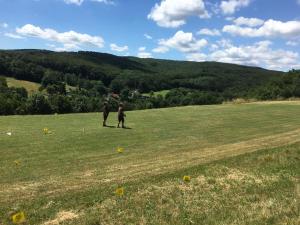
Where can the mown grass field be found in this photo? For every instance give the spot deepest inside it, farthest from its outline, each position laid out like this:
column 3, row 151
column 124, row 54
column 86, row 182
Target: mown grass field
column 31, row 87
column 243, row 160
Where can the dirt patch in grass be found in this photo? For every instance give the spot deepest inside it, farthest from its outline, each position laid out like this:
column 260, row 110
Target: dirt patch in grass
column 62, row 217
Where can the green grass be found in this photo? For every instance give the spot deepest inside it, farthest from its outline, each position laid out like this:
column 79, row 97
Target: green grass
column 31, row 87
column 162, row 93
column 243, row 159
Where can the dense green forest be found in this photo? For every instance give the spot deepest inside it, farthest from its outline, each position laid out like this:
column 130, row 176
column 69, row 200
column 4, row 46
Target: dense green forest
column 96, row 77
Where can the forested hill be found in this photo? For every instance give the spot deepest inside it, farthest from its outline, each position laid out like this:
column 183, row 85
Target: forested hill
column 92, row 77
column 117, row 73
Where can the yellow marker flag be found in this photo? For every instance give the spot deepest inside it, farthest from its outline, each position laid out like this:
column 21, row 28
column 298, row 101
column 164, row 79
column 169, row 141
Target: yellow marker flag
column 120, row 150
column 186, row 178
column 18, row 218
column 120, row 191
column 46, row 130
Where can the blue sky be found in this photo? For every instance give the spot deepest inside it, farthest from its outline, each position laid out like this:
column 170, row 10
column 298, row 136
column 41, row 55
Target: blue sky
column 263, row 33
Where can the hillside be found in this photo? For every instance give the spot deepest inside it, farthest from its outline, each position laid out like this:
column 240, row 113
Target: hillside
column 74, row 82
column 71, row 173
column 134, row 73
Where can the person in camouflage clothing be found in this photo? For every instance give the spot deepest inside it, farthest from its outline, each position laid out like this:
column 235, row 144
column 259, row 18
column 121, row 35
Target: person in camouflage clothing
column 106, row 110
column 121, row 115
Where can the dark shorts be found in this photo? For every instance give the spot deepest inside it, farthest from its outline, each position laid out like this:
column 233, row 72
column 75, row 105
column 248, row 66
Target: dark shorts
column 121, row 118
column 105, row 115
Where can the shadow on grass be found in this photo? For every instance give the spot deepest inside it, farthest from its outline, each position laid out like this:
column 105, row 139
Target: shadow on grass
column 128, row 128
column 110, row 126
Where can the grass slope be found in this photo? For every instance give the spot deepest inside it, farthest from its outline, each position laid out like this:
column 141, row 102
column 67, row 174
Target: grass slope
column 71, row 175
column 29, row 86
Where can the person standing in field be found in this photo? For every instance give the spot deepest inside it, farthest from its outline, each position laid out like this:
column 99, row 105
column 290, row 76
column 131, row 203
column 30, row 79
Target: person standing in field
column 106, row 111
column 121, row 115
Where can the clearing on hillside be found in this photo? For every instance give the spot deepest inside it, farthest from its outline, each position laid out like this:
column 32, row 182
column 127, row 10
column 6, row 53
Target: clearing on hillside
column 243, row 162
column 31, row 87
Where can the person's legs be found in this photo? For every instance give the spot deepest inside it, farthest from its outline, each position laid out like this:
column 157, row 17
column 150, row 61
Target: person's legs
column 119, row 119
column 123, row 121
column 105, row 116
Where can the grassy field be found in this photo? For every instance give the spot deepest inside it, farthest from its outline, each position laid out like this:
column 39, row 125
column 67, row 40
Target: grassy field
column 243, row 160
column 31, row 87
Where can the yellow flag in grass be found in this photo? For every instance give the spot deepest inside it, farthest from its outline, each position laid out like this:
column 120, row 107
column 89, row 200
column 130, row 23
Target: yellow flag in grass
column 46, row 131
column 120, row 150
column 18, row 218
column 186, row 178
column 120, row 191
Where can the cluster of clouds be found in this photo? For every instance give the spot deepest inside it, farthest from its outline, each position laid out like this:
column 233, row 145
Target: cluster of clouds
column 231, row 6
column 174, row 13
column 70, row 40
column 270, row 28
column 181, row 41
column 257, row 54
column 116, row 48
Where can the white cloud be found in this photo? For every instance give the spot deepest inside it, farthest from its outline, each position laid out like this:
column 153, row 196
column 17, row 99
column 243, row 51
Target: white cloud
column 270, row 28
column 183, row 42
column 173, row 13
column 292, row 43
column 250, row 22
column 298, row 1
column 259, row 54
column 209, row 32
column 4, row 25
column 70, row 39
column 107, row 2
column 142, row 49
column 76, row 2
column 144, row 55
column 214, row 47
column 148, row 36
column 15, row 36
column 160, row 49
column 115, row 47
column 224, row 43
column 231, row 6
column 79, row 2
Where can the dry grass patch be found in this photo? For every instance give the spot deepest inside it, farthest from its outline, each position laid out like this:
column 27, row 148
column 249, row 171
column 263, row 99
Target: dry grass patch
column 62, row 217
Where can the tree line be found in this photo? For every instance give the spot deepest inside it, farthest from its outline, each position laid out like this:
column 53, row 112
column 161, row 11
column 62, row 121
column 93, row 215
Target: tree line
column 80, row 82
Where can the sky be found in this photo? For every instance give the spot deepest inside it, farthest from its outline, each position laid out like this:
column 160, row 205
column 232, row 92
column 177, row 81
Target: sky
column 264, row 33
